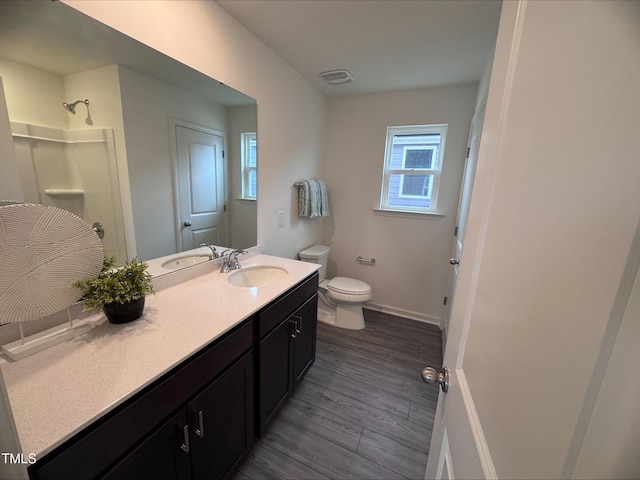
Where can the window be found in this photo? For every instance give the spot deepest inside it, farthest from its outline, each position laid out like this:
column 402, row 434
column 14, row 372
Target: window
column 412, row 167
column 249, row 166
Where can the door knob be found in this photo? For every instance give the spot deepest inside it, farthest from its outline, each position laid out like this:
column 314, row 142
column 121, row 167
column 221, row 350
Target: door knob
column 186, row 224
column 433, row 376
column 454, row 261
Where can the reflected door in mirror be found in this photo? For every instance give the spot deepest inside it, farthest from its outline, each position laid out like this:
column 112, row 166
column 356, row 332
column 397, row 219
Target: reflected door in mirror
column 200, row 188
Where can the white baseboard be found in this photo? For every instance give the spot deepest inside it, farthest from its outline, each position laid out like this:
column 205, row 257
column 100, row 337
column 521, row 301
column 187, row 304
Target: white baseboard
column 401, row 312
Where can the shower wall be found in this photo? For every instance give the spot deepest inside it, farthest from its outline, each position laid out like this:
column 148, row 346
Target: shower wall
column 70, row 161
column 73, row 170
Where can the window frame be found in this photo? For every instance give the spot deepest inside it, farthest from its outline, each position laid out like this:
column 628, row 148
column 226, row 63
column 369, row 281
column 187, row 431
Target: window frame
column 423, row 171
column 247, row 168
column 435, row 172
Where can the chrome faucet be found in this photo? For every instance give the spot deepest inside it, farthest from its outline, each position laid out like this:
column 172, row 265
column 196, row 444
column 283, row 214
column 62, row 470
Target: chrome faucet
column 214, row 252
column 230, row 262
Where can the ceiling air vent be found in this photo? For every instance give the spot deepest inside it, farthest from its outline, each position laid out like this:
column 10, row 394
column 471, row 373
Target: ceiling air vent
column 336, row 77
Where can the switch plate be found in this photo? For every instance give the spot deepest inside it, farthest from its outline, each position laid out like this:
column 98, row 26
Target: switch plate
column 281, row 219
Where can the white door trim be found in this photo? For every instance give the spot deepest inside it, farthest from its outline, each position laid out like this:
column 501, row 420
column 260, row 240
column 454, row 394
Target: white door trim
column 484, row 454
column 445, row 464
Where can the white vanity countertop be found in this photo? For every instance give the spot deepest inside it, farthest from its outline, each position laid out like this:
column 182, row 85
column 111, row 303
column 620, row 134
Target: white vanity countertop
column 56, row 393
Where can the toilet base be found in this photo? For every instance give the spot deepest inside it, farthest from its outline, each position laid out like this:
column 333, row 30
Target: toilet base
column 349, row 317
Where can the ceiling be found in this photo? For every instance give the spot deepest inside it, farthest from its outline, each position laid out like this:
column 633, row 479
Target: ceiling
column 384, row 44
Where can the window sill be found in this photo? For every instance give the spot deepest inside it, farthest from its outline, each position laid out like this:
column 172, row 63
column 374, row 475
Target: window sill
column 248, row 200
column 408, row 213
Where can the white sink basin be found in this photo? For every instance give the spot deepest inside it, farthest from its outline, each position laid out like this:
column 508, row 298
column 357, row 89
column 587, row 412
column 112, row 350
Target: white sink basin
column 257, row 276
column 185, row 261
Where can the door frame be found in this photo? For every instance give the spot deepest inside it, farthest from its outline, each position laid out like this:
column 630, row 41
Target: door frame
column 173, row 144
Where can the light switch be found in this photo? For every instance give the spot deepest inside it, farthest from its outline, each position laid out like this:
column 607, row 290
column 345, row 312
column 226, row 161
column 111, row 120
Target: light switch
column 281, row 219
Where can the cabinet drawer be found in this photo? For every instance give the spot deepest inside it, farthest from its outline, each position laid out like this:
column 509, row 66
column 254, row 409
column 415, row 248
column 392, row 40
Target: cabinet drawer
column 274, row 313
column 92, row 450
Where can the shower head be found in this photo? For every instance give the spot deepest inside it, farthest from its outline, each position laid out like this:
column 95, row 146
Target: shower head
column 72, row 106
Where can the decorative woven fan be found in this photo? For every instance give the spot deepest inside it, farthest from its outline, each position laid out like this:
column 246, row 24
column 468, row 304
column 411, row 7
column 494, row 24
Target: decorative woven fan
column 43, row 250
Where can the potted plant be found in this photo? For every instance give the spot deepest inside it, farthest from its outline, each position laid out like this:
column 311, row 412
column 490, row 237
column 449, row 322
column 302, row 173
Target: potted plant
column 119, row 292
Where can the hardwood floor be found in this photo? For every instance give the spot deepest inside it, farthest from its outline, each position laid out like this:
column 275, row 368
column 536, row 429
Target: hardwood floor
column 361, row 412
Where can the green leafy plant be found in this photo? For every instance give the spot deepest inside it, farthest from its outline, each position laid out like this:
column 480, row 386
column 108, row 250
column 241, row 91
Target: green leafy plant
column 115, row 285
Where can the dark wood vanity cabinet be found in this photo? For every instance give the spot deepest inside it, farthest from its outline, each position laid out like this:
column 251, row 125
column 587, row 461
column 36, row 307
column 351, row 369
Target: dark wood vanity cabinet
column 206, row 439
column 286, row 348
column 195, row 422
column 200, row 419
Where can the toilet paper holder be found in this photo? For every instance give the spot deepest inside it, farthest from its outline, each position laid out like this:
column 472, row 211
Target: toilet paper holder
column 367, row 261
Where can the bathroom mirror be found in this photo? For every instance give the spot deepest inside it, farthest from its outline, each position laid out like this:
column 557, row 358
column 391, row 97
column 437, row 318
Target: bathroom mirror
column 141, row 121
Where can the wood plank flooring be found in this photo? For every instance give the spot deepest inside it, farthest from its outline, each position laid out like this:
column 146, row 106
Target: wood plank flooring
column 362, row 411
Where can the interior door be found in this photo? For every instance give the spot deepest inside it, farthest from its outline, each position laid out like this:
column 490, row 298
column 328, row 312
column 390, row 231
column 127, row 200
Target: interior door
column 547, row 270
column 461, row 220
column 200, row 188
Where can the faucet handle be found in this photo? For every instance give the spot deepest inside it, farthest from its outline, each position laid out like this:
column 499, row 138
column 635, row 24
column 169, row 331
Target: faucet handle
column 234, row 263
column 230, row 261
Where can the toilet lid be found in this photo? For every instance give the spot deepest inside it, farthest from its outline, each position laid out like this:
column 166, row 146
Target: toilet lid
column 349, row 285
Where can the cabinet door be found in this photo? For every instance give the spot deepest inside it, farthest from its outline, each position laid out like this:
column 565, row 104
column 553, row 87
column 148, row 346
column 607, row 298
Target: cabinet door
column 275, row 373
column 164, row 455
column 304, row 350
column 221, row 422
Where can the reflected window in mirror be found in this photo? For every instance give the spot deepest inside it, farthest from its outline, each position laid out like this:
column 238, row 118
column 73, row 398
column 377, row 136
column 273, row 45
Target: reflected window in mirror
column 249, row 166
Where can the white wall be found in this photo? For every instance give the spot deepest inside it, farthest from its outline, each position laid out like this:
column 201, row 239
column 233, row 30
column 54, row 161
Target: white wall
column 31, row 91
column 411, row 251
column 291, row 113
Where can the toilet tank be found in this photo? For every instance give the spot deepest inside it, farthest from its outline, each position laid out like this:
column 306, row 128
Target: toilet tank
column 317, row 254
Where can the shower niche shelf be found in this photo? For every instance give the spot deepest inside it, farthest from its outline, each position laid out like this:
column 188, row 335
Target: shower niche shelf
column 64, row 192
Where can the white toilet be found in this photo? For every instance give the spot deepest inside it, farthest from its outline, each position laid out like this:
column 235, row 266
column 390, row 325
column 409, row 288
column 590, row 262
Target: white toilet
column 341, row 297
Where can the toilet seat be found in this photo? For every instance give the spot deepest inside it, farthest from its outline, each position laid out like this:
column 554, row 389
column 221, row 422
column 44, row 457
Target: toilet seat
column 349, row 290
column 348, row 286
